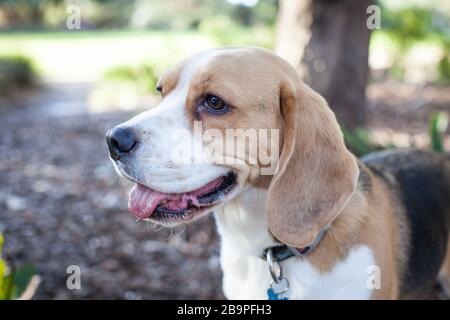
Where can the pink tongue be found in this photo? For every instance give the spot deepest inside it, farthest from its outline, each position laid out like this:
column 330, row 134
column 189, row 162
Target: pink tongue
column 143, row 201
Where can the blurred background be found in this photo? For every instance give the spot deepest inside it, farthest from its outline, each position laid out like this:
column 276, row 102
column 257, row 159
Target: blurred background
column 70, row 70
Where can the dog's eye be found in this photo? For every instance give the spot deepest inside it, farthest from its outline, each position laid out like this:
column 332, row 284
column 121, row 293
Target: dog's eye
column 214, row 104
column 159, row 88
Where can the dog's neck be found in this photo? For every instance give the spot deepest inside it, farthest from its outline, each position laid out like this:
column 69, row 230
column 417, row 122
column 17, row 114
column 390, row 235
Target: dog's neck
column 242, row 223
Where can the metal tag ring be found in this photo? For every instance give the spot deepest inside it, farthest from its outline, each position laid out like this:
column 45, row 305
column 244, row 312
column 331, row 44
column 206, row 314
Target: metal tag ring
column 281, row 280
column 276, row 272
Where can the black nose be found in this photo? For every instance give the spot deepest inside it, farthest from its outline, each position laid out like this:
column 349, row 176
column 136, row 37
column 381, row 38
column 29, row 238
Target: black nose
column 120, row 141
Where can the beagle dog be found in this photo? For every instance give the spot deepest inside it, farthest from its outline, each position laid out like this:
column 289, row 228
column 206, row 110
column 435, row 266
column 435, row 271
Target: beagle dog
column 327, row 225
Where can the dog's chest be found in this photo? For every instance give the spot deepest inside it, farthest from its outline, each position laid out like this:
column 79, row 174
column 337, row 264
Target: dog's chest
column 248, row 277
column 245, row 276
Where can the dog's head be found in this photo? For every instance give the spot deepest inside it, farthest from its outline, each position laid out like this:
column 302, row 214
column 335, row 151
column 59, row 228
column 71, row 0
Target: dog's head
column 231, row 118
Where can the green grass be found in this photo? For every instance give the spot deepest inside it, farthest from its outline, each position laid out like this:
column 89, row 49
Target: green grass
column 86, row 55
column 384, row 40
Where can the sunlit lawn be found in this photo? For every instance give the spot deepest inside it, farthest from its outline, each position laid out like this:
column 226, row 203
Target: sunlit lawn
column 81, row 56
column 85, row 55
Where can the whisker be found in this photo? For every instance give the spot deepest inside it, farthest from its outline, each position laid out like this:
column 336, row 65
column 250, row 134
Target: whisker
column 182, row 230
column 170, row 234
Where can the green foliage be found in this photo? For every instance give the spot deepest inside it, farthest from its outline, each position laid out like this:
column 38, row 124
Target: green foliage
column 16, row 71
column 225, row 32
column 144, row 77
column 219, row 27
column 13, row 281
column 155, row 14
column 438, row 124
column 408, row 26
column 359, row 142
column 444, row 69
column 4, row 280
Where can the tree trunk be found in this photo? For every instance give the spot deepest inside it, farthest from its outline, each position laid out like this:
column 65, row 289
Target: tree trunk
column 327, row 41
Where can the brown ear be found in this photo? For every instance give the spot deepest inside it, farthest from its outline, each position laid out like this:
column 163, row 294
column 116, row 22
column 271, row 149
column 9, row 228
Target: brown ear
column 316, row 174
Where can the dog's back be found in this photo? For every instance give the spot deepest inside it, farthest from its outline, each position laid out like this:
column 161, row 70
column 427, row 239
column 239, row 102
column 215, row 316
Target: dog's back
column 422, row 182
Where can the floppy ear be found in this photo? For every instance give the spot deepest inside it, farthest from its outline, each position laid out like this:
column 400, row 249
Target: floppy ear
column 316, row 174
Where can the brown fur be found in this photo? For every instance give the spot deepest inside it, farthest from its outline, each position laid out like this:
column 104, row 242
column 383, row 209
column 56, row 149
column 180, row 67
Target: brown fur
column 317, row 174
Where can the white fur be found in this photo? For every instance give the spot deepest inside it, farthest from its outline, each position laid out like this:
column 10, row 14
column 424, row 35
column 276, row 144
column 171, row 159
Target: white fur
column 244, row 236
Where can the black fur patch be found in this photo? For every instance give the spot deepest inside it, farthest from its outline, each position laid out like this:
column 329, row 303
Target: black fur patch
column 424, row 185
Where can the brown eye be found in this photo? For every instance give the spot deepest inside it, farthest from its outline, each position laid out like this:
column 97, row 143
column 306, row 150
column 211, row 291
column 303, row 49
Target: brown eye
column 214, row 104
column 159, row 88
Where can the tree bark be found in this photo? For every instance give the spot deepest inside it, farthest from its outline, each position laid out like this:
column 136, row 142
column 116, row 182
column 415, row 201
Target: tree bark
column 327, row 42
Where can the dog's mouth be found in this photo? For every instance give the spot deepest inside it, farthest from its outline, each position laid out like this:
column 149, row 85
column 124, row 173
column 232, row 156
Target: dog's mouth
column 146, row 203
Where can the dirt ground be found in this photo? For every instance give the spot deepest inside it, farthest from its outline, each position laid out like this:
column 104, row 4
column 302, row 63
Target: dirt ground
column 62, row 204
